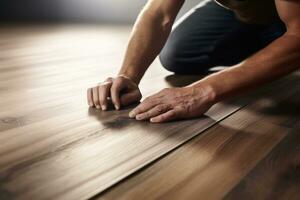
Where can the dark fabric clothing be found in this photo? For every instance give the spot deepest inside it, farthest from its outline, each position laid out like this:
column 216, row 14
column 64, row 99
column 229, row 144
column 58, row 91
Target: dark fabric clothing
column 210, row 35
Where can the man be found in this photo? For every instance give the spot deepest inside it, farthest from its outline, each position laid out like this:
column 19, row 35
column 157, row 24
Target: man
column 258, row 39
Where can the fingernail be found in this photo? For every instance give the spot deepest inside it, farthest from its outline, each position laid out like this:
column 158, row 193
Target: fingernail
column 90, row 104
column 131, row 115
column 98, row 107
column 104, row 107
column 152, row 120
column 117, row 107
column 138, row 117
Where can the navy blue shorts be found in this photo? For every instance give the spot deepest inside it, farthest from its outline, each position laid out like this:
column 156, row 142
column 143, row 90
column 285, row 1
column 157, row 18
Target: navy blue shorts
column 210, row 35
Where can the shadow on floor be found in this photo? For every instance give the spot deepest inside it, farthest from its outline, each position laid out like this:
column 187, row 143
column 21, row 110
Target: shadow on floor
column 265, row 101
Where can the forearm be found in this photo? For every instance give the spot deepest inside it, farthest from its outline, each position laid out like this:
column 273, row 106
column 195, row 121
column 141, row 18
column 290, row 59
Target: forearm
column 149, row 35
column 147, row 39
column 278, row 59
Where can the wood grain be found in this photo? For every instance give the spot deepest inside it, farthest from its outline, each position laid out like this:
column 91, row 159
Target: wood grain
column 277, row 176
column 52, row 145
column 212, row 164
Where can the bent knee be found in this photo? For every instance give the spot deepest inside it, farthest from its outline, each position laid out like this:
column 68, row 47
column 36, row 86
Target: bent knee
column 169, row 58
column 174, row 59
column 182, row 56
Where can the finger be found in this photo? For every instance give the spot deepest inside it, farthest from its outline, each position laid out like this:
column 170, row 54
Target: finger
column 103, row 92
column 96, row 97
column 89, row 97
column 168, row 116
column 131, row 97
column 115, row 94
column 146, row 105
column 157, row 110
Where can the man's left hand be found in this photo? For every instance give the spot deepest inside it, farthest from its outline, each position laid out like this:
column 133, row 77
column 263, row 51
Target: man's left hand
column 174, row 103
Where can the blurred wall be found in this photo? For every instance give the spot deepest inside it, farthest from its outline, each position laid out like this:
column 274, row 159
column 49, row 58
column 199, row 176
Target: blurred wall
column 105, row 11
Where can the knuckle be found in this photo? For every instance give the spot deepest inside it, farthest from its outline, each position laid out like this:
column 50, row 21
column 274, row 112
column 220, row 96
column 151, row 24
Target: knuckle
column 166, row 106
column 119, row 79
column 137, row 110
column 105, row 84
column 160, row 109
column 103, row 87
column 109, row 79
column 173, row 113
column 145, row 115
column 152, row 98
column 161, row 118
column 181, row 108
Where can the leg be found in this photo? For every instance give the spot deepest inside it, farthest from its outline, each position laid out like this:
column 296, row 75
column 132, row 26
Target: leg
column 193, row 39
column 209, row 36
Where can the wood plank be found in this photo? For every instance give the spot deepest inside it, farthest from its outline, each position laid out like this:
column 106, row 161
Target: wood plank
column 52, row 144
column 213, row 163
column 277, row 176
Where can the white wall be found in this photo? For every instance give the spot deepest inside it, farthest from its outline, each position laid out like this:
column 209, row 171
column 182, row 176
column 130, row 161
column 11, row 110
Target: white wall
column 119, row 11
column 107, row 11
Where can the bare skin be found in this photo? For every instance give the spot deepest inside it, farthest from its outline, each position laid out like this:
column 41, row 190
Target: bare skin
column 281, row 57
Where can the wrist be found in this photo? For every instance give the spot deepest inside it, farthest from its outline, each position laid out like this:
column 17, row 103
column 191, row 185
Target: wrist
column 130, row 76
column 206, row 90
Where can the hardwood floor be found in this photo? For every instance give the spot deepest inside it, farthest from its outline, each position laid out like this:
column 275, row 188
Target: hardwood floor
column 218, row 161
column 53, row 146
column 276, row 176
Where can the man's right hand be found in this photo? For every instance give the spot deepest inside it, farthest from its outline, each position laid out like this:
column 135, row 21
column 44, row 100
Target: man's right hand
column 122, row 91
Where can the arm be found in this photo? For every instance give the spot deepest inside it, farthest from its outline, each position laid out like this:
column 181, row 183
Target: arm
column 149, row 35
column 278, row 59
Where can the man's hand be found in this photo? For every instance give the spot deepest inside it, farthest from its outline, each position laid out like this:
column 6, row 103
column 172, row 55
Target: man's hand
column 121, row 90
column 148, row 37
column 174, row 103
